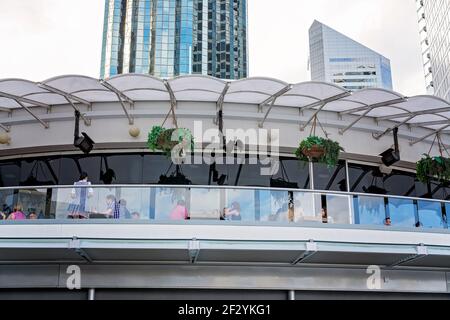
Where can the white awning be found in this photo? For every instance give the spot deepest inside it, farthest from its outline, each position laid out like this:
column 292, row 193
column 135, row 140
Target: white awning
column 419, row 111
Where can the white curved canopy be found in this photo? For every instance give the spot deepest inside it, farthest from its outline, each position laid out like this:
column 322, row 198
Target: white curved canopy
column 420, row 111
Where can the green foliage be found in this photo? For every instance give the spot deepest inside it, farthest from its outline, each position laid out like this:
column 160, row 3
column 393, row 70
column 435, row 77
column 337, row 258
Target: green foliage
column 429, row 167
column 165, row 140
column 332, row 150
column 153, row 136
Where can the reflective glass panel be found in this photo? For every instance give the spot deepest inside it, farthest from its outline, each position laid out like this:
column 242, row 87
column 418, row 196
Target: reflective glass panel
column 274, row 206
column 402, row 212
column 171, row 204
column 6, row 203
column 134, row 203
column 304, row 210
column 338, row 209
column 205, row 204
column 33, row 203
column 430, row 214
column 370, row 210
column 240, row 205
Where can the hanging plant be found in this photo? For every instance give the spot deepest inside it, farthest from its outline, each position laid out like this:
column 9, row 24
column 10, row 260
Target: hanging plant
column 320, row 150
column 160, row 138
column 433, row 167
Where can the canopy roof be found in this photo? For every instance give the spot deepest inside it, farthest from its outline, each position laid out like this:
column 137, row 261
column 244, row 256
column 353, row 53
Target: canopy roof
column 419, row 111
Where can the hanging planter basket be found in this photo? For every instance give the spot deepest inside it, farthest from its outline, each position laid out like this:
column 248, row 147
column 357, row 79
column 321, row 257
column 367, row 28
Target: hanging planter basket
column 164, row 139
column 319, row 150
column 429, row 168
column 315, row 152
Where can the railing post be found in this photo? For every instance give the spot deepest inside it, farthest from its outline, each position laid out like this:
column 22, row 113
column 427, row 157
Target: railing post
column 291, row 295
column 91, row 294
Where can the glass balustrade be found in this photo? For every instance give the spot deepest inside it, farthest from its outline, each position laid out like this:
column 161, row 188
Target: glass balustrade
column 226, row 205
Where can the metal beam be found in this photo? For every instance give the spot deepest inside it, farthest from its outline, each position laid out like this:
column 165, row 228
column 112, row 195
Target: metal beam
column 321, row 105
column 173, row 101
column 65, row 94
column 373, row 106
column 120, row 96
column 389, row 130
column 272, row 99
column 221, row 99
column 417, row 113
column 276, row 95
column 429, row 135
column 24, row 100
column 429, row 123
column 45, row 124
column 6, row 128
column 368, row 109
column 116, row 91
column 87, row 121
column 311, row 249
column 422, row 251
column 326, row 101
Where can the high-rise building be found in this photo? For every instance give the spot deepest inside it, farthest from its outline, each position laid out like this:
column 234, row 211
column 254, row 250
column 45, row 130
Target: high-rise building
column 434, row 23
column 338, row 59
column 167, row 38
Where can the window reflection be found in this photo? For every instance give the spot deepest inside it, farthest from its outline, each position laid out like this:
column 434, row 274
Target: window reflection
column 402, row 212
column 326, row 178
column 274, row 206
column 304, row 210
column 134, row 203
column 430, row 214
column 370, row 210
column 338, row 209
column 33, row 202
column 240, row 205
column 171, row 204
column 6, row 203
column 205, row 204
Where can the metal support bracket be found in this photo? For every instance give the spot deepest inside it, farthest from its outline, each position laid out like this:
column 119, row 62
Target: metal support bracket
column 194, row 250
column 311, row 249
column 75, row 244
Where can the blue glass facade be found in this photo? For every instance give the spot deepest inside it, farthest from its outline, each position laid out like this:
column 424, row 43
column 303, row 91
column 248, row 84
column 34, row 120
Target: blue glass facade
column 434, row 23
column 338, row 59
column 167, row 38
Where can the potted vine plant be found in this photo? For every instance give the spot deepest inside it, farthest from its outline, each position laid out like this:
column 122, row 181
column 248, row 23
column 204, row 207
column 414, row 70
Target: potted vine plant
column 317, row 149
column 429, row 167
column 320, row 150
column 160, row 138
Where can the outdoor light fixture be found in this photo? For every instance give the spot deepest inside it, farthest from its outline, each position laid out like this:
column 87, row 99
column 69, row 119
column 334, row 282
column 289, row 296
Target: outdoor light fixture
column 84, row 143
column 391, row 156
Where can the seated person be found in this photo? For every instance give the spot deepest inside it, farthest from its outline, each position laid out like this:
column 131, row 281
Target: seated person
column 17, row 214
column 32, row 216
column 180, row 211
column 325, row 218
column 112, row 209
column 124, row 212
column 233, row 213
column 387, row 221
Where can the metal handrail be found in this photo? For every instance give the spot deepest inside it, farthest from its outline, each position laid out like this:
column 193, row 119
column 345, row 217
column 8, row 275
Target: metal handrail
column 143, row 186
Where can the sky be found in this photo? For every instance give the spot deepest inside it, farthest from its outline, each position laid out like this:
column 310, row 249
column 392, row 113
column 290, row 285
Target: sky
column 40, row 39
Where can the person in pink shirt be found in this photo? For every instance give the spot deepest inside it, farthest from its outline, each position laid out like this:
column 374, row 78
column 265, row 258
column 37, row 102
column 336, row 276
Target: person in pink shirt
column 179, row 212
column 17, row 214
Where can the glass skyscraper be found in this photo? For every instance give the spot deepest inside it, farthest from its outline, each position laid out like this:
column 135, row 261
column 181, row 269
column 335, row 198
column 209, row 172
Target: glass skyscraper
column 434, row 23
column 167, row 38
column 338, row 59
